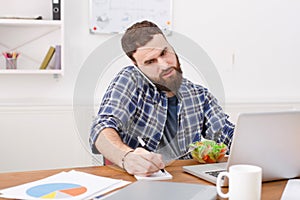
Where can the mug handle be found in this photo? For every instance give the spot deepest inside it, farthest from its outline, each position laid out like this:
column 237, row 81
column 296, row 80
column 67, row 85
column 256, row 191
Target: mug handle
column 219, row 181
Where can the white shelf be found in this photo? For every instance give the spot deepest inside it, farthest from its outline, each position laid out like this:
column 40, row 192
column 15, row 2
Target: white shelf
column 25, row 22
column 50, row 35
column 32, row 39
column 30, row 71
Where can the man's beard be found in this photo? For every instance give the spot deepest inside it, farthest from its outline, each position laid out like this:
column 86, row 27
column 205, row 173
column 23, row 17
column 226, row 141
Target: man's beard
column 172, row 84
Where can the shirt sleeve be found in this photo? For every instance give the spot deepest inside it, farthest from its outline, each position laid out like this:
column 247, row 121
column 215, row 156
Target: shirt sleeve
column 117, row 105
column 217, row 126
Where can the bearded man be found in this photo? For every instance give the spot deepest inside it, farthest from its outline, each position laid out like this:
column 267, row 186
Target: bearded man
column 152, row 102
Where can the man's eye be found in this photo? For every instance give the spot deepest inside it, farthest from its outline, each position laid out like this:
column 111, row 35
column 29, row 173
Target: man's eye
column 164, row 52
column 148, row 62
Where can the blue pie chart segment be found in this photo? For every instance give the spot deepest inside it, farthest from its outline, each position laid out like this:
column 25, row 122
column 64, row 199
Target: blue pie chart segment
column 56, row 190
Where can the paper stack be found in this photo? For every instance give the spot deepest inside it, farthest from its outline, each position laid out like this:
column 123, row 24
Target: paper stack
column 65, row 185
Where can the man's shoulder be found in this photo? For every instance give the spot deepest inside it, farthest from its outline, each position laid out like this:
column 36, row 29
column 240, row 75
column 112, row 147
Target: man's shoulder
column 130, row 75
column 130, row 72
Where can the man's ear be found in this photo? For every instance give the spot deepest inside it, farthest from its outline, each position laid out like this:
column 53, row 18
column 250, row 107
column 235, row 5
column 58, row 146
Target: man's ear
column 133, row 59
column 134, row 62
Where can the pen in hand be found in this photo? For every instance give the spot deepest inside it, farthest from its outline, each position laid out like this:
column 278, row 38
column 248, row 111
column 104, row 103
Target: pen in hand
column 143, row 144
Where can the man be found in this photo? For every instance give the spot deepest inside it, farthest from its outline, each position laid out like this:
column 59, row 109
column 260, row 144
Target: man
column 153, row 102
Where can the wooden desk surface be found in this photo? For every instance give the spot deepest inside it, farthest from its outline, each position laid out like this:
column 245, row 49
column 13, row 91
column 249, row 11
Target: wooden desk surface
column 270, row 191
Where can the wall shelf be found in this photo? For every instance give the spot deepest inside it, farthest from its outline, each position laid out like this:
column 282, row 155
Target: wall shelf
column 31, row 38
column 27, row 22
column 30, row 71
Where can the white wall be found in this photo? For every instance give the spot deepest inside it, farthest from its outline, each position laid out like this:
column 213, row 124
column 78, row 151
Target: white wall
column 39, row 137
column 263, row 36
column 254, row 44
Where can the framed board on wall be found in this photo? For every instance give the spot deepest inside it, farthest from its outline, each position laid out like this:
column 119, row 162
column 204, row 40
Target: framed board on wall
column 114, row 16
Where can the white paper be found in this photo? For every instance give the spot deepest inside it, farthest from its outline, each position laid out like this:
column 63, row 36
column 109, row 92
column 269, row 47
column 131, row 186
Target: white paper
column 156, row 176
column 65, row 185
column 291, row 190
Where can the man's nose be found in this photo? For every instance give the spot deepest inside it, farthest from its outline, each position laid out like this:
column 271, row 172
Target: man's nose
column 163, row 63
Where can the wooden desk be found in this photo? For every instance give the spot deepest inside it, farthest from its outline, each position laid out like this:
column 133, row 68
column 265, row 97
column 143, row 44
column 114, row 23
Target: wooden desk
column 270, row 191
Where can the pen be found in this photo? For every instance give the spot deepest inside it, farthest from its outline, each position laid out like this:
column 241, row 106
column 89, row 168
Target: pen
column 143, row 144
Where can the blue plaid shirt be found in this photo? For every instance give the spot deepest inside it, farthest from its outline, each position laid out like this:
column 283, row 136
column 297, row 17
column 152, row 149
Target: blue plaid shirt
column 133, row 106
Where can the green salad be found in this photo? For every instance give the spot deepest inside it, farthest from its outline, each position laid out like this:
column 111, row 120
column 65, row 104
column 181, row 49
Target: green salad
column 208, row 151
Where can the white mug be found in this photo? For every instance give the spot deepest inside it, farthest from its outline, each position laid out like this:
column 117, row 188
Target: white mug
column 244, row 182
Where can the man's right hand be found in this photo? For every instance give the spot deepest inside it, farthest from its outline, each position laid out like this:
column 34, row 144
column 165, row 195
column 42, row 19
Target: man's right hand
column 142, row 162
column 138, row 162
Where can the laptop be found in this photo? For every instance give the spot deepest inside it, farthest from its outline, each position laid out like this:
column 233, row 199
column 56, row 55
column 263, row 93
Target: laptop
column 158, row 190
column 270, row 140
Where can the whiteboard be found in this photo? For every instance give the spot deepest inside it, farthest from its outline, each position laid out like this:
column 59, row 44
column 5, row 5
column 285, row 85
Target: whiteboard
column 115, row 16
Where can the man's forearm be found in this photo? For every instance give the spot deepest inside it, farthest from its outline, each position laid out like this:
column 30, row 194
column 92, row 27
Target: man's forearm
column 111, row 146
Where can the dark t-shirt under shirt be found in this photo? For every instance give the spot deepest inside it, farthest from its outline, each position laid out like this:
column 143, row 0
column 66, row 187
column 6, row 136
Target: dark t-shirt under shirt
column 170, row 130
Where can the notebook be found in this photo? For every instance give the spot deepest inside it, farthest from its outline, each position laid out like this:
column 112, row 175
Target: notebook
column 270, row 140
column 159, row 190
column 157, row 176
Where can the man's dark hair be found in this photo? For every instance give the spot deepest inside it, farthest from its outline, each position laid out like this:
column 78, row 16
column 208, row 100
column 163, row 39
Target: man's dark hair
column 137, row 36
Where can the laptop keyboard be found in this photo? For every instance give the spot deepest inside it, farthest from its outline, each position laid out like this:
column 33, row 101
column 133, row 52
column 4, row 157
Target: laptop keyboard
column 215, row 173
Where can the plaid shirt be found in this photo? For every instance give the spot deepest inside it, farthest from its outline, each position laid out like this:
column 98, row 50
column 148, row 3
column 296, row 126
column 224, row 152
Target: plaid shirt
column 134, row 107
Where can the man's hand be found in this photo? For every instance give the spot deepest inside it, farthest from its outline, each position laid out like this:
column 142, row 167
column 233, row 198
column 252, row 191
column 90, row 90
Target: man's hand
column 138, row 162
column 142, row 162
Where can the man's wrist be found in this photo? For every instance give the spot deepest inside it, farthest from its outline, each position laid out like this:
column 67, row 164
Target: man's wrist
column 123, row 158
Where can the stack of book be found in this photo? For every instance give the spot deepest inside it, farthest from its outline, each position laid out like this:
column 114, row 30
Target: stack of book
column 52, row 59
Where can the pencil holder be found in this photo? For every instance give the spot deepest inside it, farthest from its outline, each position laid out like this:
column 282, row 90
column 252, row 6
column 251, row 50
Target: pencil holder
column 11, row 63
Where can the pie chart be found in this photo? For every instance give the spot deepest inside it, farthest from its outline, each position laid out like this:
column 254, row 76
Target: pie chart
column 56, row 190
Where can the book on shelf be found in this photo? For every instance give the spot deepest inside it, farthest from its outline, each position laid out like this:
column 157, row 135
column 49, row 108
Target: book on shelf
column 47, row 58
column 57, row 61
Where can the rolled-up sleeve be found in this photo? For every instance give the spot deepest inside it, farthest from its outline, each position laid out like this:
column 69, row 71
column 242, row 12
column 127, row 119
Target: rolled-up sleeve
column 116, row 108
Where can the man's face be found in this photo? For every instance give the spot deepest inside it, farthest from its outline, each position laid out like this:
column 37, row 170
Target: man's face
column 158, row 61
